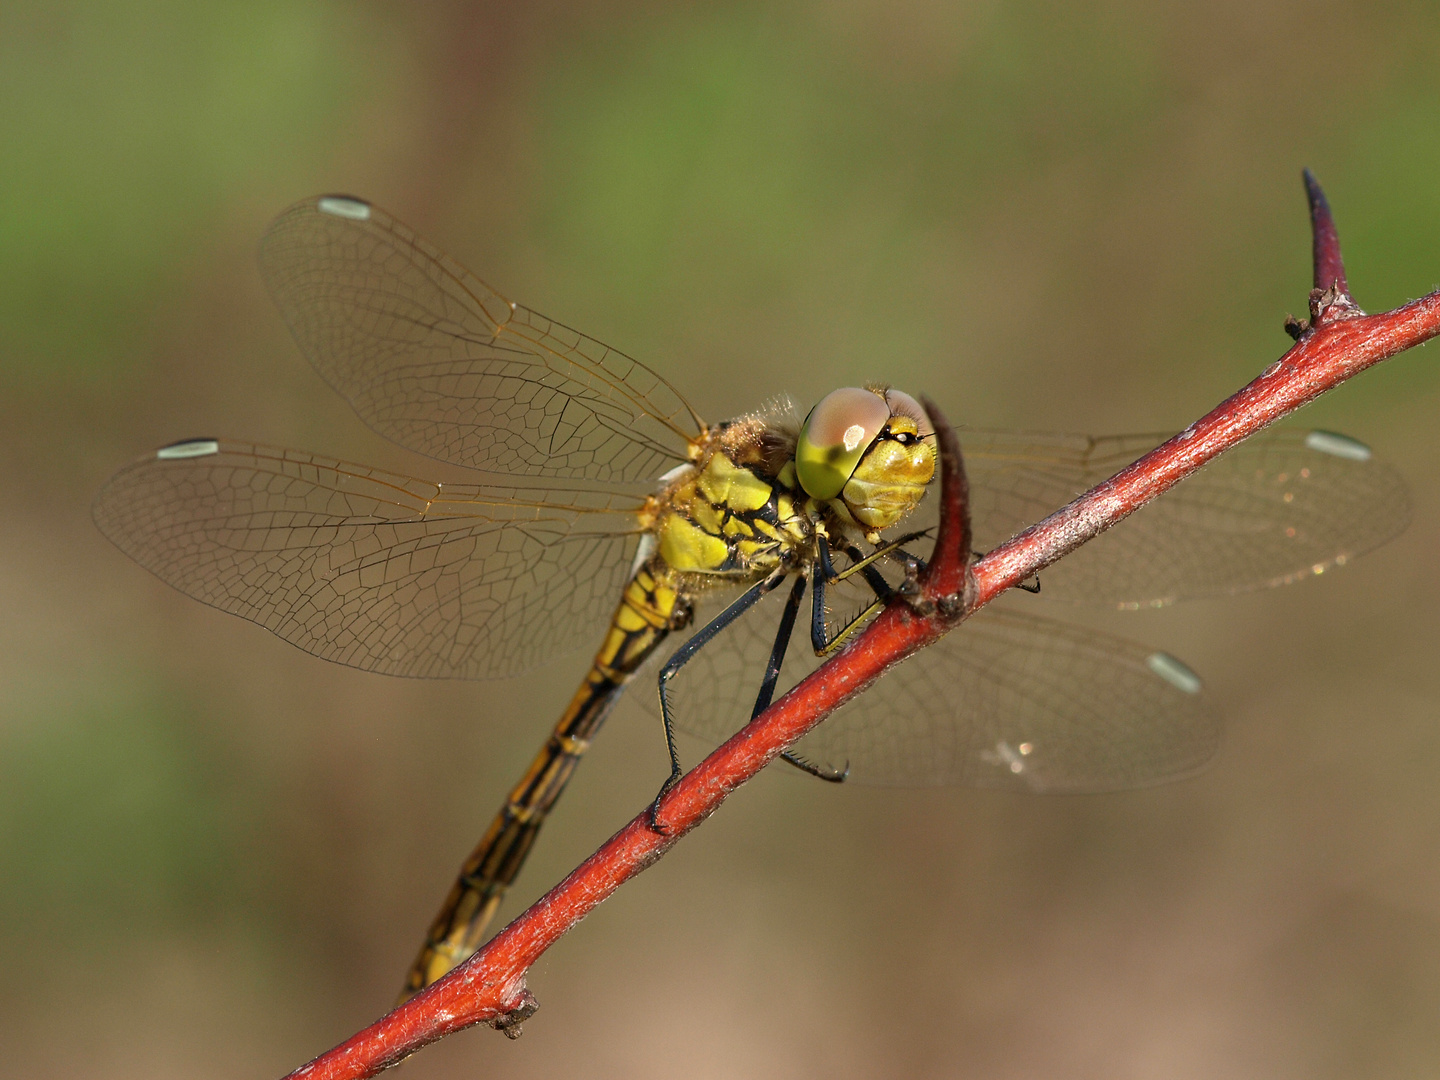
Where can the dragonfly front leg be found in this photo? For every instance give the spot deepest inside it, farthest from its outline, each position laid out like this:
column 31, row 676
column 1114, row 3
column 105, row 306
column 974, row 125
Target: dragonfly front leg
column 684, row 655
column 863, row 565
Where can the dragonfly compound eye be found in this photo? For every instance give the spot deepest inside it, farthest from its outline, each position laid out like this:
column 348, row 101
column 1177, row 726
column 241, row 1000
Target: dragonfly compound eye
column 838, row 431
column 902, row 404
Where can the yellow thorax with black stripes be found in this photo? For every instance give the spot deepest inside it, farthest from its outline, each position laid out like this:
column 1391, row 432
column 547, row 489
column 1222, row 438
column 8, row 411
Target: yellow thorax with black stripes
column 728, row 518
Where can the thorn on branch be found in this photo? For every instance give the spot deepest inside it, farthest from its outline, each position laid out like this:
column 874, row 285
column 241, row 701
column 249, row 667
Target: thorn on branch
column 1330, row 299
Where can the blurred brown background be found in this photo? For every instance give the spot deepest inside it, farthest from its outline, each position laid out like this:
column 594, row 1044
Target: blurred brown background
column 217, row 853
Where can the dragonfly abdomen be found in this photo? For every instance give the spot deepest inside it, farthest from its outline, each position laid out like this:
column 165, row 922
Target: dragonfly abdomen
column 651, row 606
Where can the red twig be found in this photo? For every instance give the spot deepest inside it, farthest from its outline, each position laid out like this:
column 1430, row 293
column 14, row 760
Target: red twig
column 1337, row 342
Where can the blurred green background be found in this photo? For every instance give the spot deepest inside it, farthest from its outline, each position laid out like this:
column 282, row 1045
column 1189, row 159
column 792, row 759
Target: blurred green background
column 217, row 853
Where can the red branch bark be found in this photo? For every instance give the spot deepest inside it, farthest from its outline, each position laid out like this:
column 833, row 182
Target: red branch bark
column 1337, row 342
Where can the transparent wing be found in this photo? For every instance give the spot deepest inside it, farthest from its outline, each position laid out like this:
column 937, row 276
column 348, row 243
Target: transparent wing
column 1280, row 506
column 433, row 358
column 371, row 569
column 1005, row 700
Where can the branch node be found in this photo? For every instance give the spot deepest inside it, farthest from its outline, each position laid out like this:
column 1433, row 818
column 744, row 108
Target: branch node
column 1330, row 299
column 509, row 1023
column 1331, row 305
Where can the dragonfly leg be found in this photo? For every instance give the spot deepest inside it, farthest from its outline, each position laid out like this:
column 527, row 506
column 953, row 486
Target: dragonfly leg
column 913, row 564
column 682, row 656
column 777, row 651
column 914, row 567
column 884, row 551
column 828, row 773
column 866, row 566
column 882, row 589
column 772, row 674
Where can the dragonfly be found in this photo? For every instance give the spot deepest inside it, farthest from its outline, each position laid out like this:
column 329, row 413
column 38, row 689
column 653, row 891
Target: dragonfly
column 602, row 507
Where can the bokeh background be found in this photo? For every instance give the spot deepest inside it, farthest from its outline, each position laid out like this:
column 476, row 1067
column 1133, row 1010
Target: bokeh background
column 217, row 853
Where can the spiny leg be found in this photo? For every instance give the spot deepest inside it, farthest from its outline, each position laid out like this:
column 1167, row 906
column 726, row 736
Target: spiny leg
column 914, row 565
column 777, row 651
column 858, row 562
column 684, row 655
column 825, row 574
column 772, row 675
column 890, row 549
column 864, row 565
column 828, row 773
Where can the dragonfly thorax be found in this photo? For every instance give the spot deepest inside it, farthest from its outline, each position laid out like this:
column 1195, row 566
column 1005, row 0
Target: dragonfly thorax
column 732, row 513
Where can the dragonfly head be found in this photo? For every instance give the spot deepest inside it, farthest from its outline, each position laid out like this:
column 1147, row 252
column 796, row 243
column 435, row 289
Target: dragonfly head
column 870, row 451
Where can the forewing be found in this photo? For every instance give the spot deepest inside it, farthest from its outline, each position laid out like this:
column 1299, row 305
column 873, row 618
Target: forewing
column 1005, row 700
column 433, row 358
column 1281, row 505
column 372, row 569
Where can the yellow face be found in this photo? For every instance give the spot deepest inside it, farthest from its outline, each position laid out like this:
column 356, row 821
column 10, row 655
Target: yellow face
column 891, row 478
column 869, row 453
